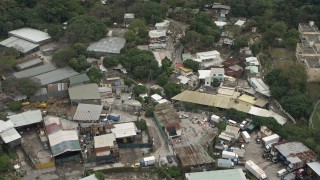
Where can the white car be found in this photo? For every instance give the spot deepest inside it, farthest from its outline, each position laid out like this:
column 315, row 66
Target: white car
column 243, row 124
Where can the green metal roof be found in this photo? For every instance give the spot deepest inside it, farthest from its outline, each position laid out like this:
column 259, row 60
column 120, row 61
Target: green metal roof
column 230, row 174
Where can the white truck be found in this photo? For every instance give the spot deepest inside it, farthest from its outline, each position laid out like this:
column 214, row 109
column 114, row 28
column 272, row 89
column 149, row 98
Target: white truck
column 229, row 155
column 245, row 135
column 225, row 163
column 148, row 161
column 255, row 170
column 271, row 139
column 215, row 118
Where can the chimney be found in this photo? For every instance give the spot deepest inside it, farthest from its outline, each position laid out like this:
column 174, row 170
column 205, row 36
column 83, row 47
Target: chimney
column 311, row 23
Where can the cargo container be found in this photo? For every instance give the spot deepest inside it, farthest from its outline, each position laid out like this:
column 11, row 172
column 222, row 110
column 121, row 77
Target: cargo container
column 246, row 136
column 255, row 170
column 271, row 139
column 225, row 163
column 148, row 161
column 229, row 155
column 215, row 118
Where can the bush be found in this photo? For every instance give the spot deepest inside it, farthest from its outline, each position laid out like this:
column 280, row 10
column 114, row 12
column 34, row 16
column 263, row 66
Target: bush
column 149, row 112
column 15, row 106
column 141, row 124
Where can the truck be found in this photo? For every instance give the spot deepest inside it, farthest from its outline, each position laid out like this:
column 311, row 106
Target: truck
column 113, row 117
column 215, row 118
column 229, row 155
column 148, row 161
column 246, row 136
column 255, row 170
column 270, row 139
column 225, row 163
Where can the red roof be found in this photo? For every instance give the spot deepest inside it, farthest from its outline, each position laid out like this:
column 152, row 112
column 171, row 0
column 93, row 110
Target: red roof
column 178, row 65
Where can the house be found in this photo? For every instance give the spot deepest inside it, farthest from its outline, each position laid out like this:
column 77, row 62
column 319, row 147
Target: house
column 221, row 10
column 87, row 112
column 163, row 25
column 208, row 75
column 105, row 145
column 229, row 174
column 227, row 38
column 57, row 90
column 156, row 97
column 240, row 23
column 308, row 51
column 252, row 61
column 124, row 131
column 260, row 86
column 128, row 18
column 79, row 79
column 209, row 58
column 185, row 71
column 9, row 134
column 86, row 93
column 26, row 40
column 156, row 34
column 108, row 46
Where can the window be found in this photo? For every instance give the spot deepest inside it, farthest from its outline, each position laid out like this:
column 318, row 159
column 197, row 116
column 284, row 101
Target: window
column 219, row 74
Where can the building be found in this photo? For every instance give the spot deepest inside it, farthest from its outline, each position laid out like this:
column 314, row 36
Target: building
column 240, row 23
column 124, row 131
column 93, row 176
column 57, row 90
column 260, row 86
column 230, row 174
column 86, row 93
column 63, row 138
column 109, row 45
column 26, row 118
column 185, row 71
column 221, row 10
column 131, row 105
column 87, row 112
column 168, row 119
column 252, row 61
column 57, row 75
column 156, row 34
column 162, row 55
column 105, row 145
column 28, row 62
column 231, row 133
column 40, row 95
column 26, row 40
column 35, row 71
column 296, row 153
column 105, row 92
column 209, row 75
column 162, row 25
column 9, row 134
column 128, row 18
column 314, row 169
column 79, row 79
column 308, row 51
column 209, row 58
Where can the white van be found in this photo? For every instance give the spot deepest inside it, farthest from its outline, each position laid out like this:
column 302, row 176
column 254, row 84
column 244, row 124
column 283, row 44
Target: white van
column 282, row 172
column 232, row 123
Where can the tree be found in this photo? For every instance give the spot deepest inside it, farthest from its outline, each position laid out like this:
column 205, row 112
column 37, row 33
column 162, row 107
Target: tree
column 5, row 163
column 297, row 104
column 61, row 58
column 95, row 75
column 162, row 79
column 79, row 64
column 149, row 112
column 110, row 62
column 55, row 31
column 240, row 42
column 139, row 89
column 85, row 29
column 99, row 175
column 141, row 124
column 194, row 65
column 172, row 89
column 25, row 86
column 128, row 82
column 215, row 82
column 15, row 106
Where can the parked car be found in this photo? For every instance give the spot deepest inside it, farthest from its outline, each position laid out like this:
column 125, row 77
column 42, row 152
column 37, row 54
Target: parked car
column 169, row 159
column 258, row 140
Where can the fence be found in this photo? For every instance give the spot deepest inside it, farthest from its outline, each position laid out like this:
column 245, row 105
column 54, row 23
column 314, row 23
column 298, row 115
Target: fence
column 134, row 145
column 101, row 159
column 160, row 126
column 67, row 159
column 284, row 111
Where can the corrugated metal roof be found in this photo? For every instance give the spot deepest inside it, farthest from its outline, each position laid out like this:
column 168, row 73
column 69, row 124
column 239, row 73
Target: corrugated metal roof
column 21, row 45
column 230, row 174
column 64, row 141
column 193, row 155
column 56, row 75
column 30, row 34
column 108, row 45
column 315, row 166
column 29, row 63
column 79, row 79
column 7, row 131
column 296, row 149
column 85, row 91
column 35, row 71
column 91, row 177
column 124, row 130
column 26, row 118
column 247, row 98
column 88, row 112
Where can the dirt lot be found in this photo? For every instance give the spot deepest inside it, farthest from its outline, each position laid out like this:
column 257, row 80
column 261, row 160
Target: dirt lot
column 254, row 152
column 132, row 175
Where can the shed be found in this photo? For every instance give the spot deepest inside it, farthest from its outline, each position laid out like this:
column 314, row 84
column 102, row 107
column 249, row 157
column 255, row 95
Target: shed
column 87, row 112
column 35, row 71
column 55, row 76
column 9, row 134
column 109, row 45
column 26, row 118
column 86, row 93
column 57, row 90
column 79, row 79
column 21, row 45
column 124, row 130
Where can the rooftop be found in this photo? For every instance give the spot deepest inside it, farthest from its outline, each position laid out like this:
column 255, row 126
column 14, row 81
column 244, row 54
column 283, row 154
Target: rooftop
column 312, row 61
column 167, row 115
column 112, row 45
column 208, row 55
column 156, row 97
column 129, row 15
column 230, row 174
column 35, row 71
column 64, row 141
column 296, row 149
column 193, row 155
column 157, row 33
column 21, row 45
column 26, row 118
column 252, row 61
column 7, row 131
column 88, row 112
column 30, row 63
column 124, row 130
column 217, row 71
column 55, row 76
column 240, row 23
column 79, row 79
column 57, row 87
column 29, row 34
column 308, row 27
column 103, row 143
column 85, row 91
column 315, row 166
column 260, row 86
column 220, row 6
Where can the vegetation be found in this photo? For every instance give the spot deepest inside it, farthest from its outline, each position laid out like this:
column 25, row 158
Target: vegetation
column 194, row 65
column 5, row 161
column 23, row 86
column 140, row 89
column 141, row 124
column 15, row 106
column 95, row 75
column 171, row 171
column 149, row 112
column 172, row 89
column 109, row 62
column 137, row 33
column 162, row 79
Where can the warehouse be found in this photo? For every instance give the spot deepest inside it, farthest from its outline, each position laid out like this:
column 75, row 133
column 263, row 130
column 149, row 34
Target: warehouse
column 86, row 93
column 55, row 76
column 109, row 45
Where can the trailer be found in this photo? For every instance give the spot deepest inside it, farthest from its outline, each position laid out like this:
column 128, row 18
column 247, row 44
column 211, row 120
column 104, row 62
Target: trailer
column 271, row 139
column 215, row 118
column 246, row 136
column 113, row 117
column 225, row 163
column 255, row 170
column 229, row 155
column 148, row 161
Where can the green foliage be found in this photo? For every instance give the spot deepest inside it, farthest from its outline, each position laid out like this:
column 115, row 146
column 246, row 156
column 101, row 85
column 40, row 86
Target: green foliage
column 26, row 86
column 15, row 106
column 61, row 58
column 138, row 32
column 162, row 79
column 139, row 89
column 140, row 99
column 110, row 62
column 55, row 31
column 5, row 163
column 79, row 64
column 167, row 66
column 172, row 89
column 149, row 112
column 240, row 42
column 215, row 82
column 151, row 11
column 255, row 48
column 297, row 104
column 190, row 106
column 222, row 126
column 239, row 114
column 85, row 29
column 171, row 171
column 99, row 175
column 128, row 82
column 194, row 65
column 95, row 75
column 141, row 124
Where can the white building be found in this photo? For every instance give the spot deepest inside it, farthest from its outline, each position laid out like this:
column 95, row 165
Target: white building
column 154, row 34
column 209, row 58
column 260, row 86
column 240, row 23
column 209, row 75
column 163, row 25
column 252, row 61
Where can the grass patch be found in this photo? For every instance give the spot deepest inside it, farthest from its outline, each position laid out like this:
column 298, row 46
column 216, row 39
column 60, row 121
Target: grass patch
column 280, row 54
column 315, row 119
column 313, row 90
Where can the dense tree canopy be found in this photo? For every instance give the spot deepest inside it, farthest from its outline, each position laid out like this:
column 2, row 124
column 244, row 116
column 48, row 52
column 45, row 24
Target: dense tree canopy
column 140, row 89
column 25, row 86
column 194, row 65
column 172, row 89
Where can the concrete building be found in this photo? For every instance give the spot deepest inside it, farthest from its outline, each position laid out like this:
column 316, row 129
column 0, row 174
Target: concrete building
column 209, row 58
column 230, row 174
column 209, row 75
column 163, row 25
column 105, row 145
column 86, row 93
column 221, row 10
column 79, row 79
column 252, row 61
column 260, row 86
column 185, row 71
column 9, row 134
column 308, row 51
column 128, row 18
column 124, row 131
column 109, row 45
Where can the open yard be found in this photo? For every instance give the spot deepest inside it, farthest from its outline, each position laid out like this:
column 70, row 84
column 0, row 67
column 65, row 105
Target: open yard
column 281, row 54
column 315, row 118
